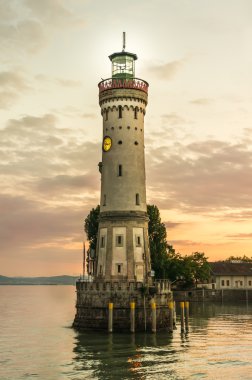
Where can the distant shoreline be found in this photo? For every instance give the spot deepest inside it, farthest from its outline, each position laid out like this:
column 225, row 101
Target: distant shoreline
column 51, row 280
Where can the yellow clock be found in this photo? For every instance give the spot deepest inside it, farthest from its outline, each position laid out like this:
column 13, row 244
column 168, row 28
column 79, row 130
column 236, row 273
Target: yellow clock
column 107, row 143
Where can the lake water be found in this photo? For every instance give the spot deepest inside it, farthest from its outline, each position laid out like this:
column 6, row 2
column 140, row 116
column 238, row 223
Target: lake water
column 37, row 342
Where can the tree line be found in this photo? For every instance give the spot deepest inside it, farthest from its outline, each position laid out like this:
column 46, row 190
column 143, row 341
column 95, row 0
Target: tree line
column 186, row 271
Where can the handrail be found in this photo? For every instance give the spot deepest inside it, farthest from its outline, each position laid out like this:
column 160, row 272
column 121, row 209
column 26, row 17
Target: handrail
column 113, row 83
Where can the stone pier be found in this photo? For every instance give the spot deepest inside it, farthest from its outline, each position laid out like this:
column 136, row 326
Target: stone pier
column 93, row 298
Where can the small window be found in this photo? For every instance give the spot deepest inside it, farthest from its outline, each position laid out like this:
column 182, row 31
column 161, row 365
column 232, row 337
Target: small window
column 106, row 115
column 136, row 143
column 227, row 282
column 119, row 268
column 120, row 127
column 137, row 199
column 120, row 112
column 120, row 142
column 119, row 240
column 102, row 241
column 120, row 170
column 128, row 127
column 135, row 112
column 100, row 269
column 222, row 283
column 241, row 283
column 250, row 283
column 104, row 200
column 138, row 241
column 112, row 128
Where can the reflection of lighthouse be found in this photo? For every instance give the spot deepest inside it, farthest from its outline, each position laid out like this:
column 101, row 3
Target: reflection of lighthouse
column 122, row 248
column 122, row 295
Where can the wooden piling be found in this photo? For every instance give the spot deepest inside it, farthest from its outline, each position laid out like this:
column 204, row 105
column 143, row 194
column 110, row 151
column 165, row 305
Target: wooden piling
column 154, row 317
column 132, row 317
column 187, row 315
column 110, row 317
column 182, row 316
column 174, row 316
column 171, row 315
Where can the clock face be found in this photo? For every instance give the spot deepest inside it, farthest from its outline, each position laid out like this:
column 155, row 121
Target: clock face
column 107, row 143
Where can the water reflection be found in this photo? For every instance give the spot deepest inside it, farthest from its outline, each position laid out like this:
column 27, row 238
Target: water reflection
column 208, row 350
column 122, row 356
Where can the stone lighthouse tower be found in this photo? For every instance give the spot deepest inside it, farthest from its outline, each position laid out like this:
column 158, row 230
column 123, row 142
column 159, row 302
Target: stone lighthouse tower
column 123, row 247
column 122, row 294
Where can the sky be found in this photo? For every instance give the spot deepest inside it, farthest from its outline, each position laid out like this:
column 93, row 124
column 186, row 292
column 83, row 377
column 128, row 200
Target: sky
column 196, row 56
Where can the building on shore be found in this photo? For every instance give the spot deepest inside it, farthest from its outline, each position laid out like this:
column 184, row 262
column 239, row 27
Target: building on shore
column 231, row 275
column 122, row 292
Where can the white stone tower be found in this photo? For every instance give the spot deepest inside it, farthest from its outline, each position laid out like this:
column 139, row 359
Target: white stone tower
column 123, row 248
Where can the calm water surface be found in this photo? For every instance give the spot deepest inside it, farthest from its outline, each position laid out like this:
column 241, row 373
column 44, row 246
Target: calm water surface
column 37, row 342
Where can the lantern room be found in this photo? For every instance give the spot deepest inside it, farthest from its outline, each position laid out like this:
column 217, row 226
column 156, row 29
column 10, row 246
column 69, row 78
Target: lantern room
column 123, row 65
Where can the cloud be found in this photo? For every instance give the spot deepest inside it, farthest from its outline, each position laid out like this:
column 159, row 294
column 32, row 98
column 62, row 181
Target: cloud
column 173, row 119
column 58, row 81
column 53, row 13
column 201, row 176
column 26, row 223
column 172, row 225
column 89, row 115
column 202, row 101
column 167, row 70
column 28, row 25
column 26, row 36
column 241, row 236
column 47, row 162
column 68, row 183
column 12, row 86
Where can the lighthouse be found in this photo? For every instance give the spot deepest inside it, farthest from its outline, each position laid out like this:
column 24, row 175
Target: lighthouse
column 122, row 246
column 122, row 295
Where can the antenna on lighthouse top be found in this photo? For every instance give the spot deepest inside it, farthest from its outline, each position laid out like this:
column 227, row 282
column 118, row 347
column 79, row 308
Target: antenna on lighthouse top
column 124, row 41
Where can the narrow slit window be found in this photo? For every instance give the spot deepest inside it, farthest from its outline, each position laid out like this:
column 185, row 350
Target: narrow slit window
column 138, row 241
column 137, row 199
column 120, row 112
column 120, row 170
column 135, row 112
column 100, row 269
column 106, row 115
column 102, row 241
column 119, row 268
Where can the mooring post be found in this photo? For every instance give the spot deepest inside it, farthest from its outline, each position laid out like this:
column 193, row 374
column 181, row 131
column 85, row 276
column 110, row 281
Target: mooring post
column 187, row 315
column 171, row 315
column 174, row 316
column 182, row 316
column 154, row 317
column 110, row 317
column 132, row 317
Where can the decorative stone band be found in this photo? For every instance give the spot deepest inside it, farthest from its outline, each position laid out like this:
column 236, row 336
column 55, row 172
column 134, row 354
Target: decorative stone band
column 124, row 215
column 123, row 94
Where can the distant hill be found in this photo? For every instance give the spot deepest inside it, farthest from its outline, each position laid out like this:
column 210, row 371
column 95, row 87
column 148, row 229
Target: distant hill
column 54, row 280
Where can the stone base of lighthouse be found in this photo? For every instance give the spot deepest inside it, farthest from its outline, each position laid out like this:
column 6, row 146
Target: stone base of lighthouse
column 94, row 300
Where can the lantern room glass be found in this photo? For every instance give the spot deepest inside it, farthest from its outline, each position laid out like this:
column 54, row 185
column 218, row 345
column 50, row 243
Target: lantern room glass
column 123, row 66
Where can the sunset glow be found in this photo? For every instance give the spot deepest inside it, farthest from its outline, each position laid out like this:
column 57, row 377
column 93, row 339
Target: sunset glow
column 196, row 57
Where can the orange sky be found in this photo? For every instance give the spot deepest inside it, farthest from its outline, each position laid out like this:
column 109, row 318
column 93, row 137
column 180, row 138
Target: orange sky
column 198, row 131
